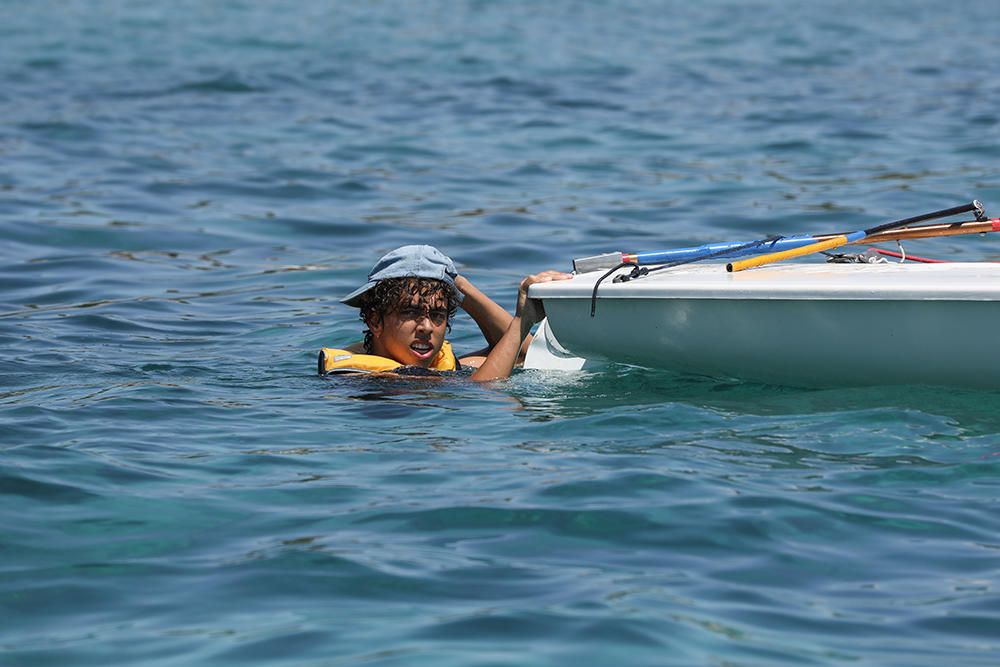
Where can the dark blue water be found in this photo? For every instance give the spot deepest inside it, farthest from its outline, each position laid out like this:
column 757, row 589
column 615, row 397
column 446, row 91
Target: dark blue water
column 185, row 190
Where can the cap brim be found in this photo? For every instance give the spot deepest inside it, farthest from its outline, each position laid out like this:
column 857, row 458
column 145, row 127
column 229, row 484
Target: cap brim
column 354, row 298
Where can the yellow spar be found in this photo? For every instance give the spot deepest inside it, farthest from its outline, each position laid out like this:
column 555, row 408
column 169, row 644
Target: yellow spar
column 761, row 260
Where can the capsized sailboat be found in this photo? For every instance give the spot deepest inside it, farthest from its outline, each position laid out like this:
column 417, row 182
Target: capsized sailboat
column 802, row 324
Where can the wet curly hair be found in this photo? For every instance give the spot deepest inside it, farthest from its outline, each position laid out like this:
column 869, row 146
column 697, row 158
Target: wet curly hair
column 390, row 294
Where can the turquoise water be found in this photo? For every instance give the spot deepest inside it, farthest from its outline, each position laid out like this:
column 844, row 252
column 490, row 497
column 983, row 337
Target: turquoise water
column 185, row 190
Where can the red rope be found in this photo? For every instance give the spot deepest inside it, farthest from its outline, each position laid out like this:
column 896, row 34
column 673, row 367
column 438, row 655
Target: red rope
column 911, row 258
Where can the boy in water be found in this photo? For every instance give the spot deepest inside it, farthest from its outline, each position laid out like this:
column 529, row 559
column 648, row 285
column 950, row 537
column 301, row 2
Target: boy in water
column 408, row 302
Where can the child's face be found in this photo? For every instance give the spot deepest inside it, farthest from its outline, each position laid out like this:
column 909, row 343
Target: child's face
column 413, row 332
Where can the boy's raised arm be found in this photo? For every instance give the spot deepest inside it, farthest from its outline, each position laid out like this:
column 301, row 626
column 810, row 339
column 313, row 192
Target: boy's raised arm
column 491, row 318
column 504, row 353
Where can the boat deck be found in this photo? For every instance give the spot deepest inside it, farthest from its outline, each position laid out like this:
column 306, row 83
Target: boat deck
column 961, row 281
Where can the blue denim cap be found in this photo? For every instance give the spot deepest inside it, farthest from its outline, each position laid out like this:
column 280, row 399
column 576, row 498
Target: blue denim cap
column 410, row 261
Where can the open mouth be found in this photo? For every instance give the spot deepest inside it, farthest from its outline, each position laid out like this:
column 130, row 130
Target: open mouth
column 422, row 349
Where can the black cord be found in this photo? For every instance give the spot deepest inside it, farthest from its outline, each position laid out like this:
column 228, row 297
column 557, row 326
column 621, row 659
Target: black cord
column 593, row 296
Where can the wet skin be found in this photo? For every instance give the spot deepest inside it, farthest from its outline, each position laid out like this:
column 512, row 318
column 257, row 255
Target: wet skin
column 412, row 333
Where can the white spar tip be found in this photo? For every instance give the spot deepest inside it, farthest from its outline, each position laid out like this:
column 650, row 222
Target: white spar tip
column 603, row 262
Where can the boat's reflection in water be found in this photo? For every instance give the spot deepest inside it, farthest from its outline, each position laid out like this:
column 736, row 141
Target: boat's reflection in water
column 553, row 394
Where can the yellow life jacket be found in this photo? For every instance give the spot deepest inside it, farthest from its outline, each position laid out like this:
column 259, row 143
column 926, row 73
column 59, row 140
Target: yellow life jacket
column 334, row 360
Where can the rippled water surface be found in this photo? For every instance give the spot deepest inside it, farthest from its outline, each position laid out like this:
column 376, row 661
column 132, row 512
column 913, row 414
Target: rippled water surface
column 185, row 190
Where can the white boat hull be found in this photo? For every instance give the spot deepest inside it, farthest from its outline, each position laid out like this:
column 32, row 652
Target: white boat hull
column 798, row 324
